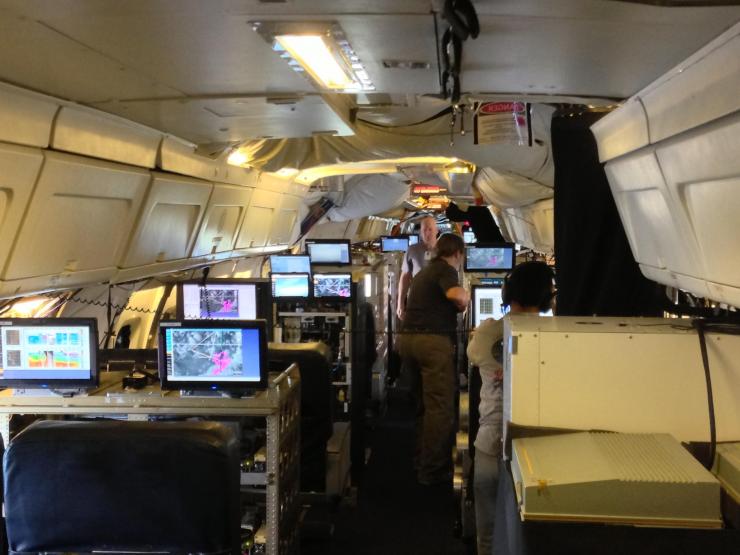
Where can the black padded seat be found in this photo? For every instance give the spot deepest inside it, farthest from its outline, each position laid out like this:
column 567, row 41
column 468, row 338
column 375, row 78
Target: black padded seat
column 314, row 364
column 168, row 487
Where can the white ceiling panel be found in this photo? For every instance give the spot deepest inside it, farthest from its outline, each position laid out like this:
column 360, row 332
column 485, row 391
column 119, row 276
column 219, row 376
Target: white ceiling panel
column 110, row 53
column 34, row 56
column 579, row 55
column 194, row 51
column 394, row 37
column 219, row 120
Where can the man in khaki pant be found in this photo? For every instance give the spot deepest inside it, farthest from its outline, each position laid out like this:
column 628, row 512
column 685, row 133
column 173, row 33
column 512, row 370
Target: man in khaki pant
column 427, row 346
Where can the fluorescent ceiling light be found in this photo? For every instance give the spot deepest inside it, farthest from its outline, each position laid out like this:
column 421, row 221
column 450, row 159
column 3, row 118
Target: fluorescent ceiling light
column 318, row 50
column 237, row 158
column 315, row 56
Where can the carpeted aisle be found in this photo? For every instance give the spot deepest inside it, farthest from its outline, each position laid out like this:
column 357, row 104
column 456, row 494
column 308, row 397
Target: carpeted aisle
column 394, row 514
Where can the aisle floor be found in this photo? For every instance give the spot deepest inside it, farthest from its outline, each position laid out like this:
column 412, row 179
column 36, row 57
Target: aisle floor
column 393, row 514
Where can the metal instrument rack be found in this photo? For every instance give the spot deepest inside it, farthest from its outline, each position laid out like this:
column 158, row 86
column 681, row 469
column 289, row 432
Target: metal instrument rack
column 279, row 404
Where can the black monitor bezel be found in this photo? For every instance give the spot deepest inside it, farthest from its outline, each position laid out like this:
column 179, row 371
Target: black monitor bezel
column 332, row 298
column 290, row 256
column 26, row 383
column 510, row 246
column 180, row 299
column 168, row 385
column 330, row 241
column 291, row 274
column 473, row 289
column 382, row 237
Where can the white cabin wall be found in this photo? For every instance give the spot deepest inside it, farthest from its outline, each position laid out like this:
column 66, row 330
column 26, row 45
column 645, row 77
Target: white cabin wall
column 91, row 302
column 671, row 156
column 123, row 202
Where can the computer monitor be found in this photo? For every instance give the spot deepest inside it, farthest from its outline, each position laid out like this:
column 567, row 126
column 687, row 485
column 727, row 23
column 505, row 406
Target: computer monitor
column 413, row 238
column 221, row 299
column 391, row 243
column 329, row 252
column 48, row 353
column 332, row 286
column 487, row 303
column 290, row 263
column 469, row 237
column 213, row 355
column 290, row 286
column 497, row 257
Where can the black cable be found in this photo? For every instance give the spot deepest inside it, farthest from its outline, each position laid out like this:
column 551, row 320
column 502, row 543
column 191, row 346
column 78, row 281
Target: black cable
column 100, row 304
column 436, row 45
column 700, row 328
column 204, row 291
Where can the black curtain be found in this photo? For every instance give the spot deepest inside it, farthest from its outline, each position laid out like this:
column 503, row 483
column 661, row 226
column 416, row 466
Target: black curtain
column 596, row 272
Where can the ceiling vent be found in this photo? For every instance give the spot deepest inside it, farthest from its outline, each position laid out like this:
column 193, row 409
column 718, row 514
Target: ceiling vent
column 405, row 64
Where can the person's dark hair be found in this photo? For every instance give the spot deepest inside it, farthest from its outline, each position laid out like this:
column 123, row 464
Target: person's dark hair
column 529, row 284
column 449, row 244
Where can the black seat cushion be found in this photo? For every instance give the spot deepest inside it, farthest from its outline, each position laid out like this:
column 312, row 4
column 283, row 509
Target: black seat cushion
column 79, row 486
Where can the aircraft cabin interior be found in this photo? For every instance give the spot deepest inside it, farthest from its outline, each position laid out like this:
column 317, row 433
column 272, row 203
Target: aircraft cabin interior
column 214, row 215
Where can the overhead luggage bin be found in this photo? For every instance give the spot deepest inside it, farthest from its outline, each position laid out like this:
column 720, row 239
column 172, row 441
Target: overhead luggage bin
column 284, row 225
column 77, row 224
column 661, row 240
column 259, row 220
column 21, row 166
column 178, row 156
column 26, row 118
column 223, row 218
column 702, row 173
column 93, row 133
column 167, row 228
column 679, row 196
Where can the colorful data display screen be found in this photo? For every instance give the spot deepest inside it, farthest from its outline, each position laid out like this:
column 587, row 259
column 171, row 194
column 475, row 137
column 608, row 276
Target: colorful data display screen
column 290, row 285
column 394, row 244
column 290, row 264
column 212, row 355
column 332, row 285
column 489, row 258
column 237, row 301
column 487, row 303
column 413, row 239
column 469, row 237
column 46, row 353
column 329, row 252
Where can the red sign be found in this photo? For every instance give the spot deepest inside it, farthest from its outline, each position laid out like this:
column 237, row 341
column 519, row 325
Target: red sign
column 426, row 190
column 498, row 107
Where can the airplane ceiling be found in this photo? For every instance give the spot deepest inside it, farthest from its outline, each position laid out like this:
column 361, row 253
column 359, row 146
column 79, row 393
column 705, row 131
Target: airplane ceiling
column 196, row 69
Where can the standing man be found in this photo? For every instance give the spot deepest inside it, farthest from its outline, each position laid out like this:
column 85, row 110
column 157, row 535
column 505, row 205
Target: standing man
column 417, row 256
column 427, row 346
column 528, row 289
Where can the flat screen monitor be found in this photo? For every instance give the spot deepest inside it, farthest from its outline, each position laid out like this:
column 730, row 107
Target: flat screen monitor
column 220, row 299
column 329, row 252
column 397, row 243
column 487, row 303
column 48, row 353
column 489, row 257
column 469, row 237
column 290, row 286
column 290, row 263
column 332, row 286
column 213, row 355
column 413, row 239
